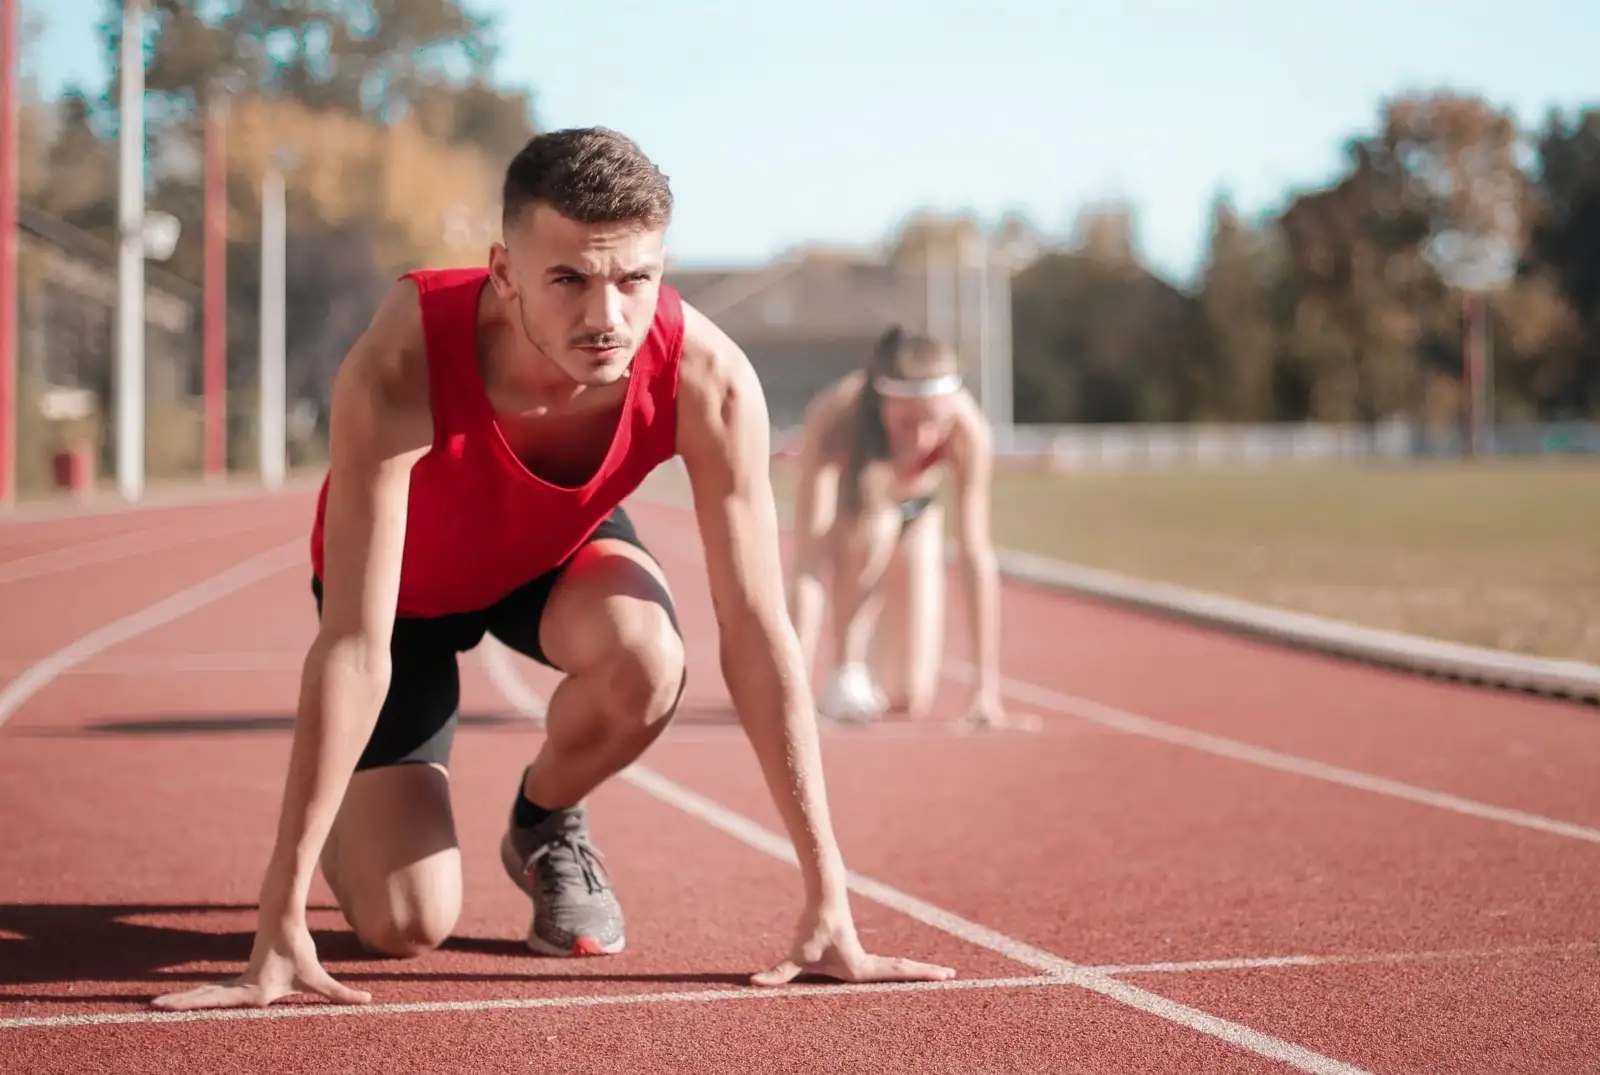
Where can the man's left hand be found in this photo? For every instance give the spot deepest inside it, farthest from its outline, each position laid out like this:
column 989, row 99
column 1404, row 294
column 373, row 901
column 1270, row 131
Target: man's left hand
column 826, row 944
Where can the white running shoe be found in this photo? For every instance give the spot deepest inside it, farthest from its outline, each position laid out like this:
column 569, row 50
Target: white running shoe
column 853, row 697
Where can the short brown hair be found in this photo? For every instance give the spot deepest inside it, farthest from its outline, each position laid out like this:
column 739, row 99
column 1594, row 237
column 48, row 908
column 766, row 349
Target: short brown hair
column 589, row 174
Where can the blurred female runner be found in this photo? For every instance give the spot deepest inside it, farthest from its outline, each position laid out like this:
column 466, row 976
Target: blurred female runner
column 876, row 445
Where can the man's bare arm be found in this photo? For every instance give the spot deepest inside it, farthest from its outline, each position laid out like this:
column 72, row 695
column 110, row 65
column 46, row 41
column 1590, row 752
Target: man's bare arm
column 724, row 438
column 379, row 429
column 377, row 433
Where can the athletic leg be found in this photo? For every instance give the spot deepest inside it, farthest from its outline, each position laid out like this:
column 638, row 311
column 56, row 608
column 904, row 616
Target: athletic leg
column 606, row 620
column 392, row 859
column 862, row 547
column 909, row 640
column 865, row 548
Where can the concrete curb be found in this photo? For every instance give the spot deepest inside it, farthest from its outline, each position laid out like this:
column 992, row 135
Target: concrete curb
column 1573, row 680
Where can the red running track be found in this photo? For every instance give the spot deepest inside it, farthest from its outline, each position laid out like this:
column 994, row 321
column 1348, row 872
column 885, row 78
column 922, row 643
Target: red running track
column 1216, row 856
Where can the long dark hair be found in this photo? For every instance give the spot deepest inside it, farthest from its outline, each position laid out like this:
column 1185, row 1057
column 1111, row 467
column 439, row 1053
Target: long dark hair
column 897, row 354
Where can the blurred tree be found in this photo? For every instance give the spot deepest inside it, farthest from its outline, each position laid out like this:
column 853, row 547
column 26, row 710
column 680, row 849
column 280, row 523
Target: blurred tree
column 419, row 200
column 1099, row 338
column 475, row 113
column 378, row 61
column 1357, row 283
column 1104, row 232
column 35, row 117
column 1451, row 160
column 1236, row 304
column 1564, row 257
column 82, row 169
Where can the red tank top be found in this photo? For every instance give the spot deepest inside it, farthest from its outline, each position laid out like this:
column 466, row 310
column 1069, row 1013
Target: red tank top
column 479, row 523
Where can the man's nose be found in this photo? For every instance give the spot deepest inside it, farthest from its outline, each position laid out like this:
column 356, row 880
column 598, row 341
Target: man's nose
column 603, row 312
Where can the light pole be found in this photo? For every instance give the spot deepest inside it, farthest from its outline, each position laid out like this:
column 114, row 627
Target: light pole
column 10, row 109
column 271, row 424
column 130, row 257
column 942, row 279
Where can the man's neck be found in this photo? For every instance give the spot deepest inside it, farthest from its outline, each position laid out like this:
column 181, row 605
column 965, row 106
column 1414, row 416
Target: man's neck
column 515, row 369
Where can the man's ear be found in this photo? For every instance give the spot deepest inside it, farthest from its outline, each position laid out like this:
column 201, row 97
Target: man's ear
column 500, row 271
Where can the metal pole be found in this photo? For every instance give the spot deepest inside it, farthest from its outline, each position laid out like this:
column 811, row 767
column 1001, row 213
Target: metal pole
column 130, row 259
column 975, row 269
column 1005, row 388
column 10, row 106
column 216, row 287
column 1472, row 371
column 941, row 291
column 1486, row 321
column 273, row 408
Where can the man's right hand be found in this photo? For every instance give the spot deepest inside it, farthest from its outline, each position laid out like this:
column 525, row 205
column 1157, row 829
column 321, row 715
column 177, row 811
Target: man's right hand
column 284, row 962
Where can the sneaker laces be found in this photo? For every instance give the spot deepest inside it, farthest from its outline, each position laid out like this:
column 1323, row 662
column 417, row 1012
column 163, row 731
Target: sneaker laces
column 569, row 858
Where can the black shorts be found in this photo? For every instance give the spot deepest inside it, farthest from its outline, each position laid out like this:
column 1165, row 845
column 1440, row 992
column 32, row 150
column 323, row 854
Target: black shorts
column 417, row 723
column 911, row 510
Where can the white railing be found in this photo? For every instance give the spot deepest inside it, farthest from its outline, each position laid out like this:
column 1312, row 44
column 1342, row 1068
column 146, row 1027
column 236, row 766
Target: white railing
column 1075, row 447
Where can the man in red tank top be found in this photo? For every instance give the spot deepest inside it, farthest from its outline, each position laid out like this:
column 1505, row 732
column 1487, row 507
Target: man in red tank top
column 485, row 430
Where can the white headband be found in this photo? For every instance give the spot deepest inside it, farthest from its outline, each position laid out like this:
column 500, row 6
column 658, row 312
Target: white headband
column 933, row 386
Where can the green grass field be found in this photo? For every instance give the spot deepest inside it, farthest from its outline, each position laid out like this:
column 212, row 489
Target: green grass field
column 1503, row 554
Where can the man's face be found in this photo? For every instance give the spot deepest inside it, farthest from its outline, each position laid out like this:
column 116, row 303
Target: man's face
column 586, row 293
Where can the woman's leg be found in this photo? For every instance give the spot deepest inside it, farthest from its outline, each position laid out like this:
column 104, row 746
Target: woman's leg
column 909, row 642
column 862, row 546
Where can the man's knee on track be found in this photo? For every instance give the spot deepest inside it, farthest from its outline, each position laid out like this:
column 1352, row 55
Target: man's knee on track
column 405, row 929
column 643, row 679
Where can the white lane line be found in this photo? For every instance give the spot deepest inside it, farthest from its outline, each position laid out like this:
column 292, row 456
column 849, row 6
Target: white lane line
column 114, row 548
column 687, row 996
column 185, row 601
column 160, row 664
column 1133, row 724
column 1349, row 959
column 501, row 671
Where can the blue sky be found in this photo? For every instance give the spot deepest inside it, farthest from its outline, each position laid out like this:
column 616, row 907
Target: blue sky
column 829, row 121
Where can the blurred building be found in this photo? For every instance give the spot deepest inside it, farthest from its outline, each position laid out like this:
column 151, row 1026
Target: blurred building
column 806, row 320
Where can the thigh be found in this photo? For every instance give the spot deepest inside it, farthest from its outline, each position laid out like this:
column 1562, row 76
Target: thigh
column 910, row 637
column 612, row 597
column 577, row 616
column 391, row 856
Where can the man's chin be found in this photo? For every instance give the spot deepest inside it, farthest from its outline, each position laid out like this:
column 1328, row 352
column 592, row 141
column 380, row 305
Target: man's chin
column 594, row 367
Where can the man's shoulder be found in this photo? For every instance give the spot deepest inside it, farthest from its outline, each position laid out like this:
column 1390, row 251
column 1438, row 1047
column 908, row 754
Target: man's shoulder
column 720, row 399
column 389, row 361
column 382, row 385
column 712, row 363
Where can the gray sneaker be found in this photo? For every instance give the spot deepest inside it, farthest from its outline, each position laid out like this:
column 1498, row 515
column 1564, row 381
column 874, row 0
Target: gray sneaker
column 575, row 913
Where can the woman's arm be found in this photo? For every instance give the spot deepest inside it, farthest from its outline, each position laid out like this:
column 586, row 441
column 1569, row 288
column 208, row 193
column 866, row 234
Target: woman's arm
column 815, row 503
column 973, row 467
